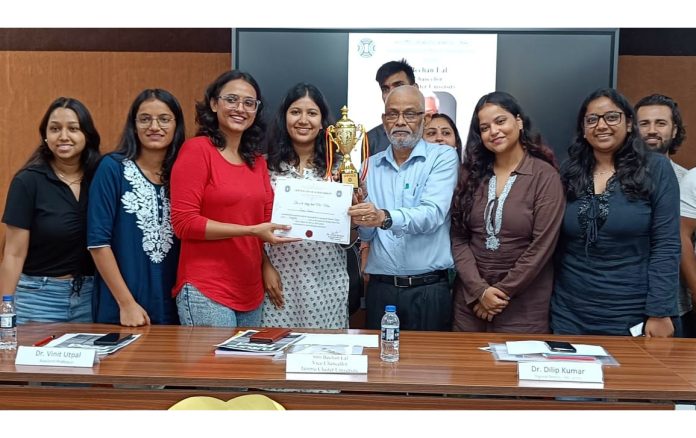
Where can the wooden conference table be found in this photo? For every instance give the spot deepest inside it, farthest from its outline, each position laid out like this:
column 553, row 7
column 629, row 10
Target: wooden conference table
column 436, row 371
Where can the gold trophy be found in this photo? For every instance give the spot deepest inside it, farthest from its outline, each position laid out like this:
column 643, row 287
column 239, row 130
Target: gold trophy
column 344, row 134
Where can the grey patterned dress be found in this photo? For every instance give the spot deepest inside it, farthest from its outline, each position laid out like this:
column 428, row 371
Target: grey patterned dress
column 314, row 278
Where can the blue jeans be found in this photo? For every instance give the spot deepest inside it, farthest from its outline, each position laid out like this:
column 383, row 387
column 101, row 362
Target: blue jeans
column 197, row 309
column 48, row 299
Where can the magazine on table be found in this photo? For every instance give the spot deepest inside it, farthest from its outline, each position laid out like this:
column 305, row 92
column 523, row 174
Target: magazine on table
column 86, row 341
column 241, row 344
column 501, row 353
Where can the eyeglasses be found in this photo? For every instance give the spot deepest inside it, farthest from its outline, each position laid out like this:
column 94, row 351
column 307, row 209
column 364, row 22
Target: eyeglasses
column 409, row 116
column 232, row 101
column 145, row 120
column 611, row 118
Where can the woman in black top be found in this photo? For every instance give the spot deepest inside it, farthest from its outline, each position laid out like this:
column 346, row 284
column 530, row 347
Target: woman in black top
column 46, row 263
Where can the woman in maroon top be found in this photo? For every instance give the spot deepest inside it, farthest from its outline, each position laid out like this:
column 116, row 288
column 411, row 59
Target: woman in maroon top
column 506, row 215
column 221, row 208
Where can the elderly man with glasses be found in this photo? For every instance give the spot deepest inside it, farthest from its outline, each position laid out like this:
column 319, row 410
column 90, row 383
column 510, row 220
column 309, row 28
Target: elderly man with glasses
column 405, row 217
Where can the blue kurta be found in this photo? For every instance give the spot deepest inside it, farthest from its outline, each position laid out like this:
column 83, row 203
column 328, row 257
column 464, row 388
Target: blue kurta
column 631, row 271
column 132, row 215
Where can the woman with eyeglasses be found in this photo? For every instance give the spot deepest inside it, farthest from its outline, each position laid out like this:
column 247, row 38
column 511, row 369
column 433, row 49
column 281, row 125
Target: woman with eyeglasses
column 45, row 260
column 221, row 208
column 506, row 214
column 129, row 232
column 618, row 256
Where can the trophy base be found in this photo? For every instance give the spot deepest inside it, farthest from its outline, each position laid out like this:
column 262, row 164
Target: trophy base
column 350, row 178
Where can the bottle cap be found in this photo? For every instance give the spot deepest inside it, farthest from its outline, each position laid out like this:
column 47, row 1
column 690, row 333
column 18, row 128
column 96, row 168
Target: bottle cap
column 390, row 308
column 8, row 297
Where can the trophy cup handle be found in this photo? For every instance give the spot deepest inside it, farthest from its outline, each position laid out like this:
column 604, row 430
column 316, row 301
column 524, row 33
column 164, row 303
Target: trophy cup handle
column 365, row 152
column 361, row 129
column 329, row 133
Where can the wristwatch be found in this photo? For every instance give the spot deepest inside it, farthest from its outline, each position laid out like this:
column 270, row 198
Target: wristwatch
column 387, row 220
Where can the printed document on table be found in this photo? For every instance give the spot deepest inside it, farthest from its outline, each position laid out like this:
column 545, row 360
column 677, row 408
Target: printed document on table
column 540, row 347
column 241, row 344
column 316, row 210
column 86, row 341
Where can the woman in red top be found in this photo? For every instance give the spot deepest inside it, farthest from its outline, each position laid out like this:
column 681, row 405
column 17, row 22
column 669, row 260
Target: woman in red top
column 221, row 208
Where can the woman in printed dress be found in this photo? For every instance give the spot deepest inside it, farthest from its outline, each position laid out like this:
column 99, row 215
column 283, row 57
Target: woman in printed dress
column 306, row 282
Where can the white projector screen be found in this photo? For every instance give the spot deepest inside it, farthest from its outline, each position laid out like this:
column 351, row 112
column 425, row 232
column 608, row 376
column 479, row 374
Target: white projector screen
column 452, row 70
column 549, row 71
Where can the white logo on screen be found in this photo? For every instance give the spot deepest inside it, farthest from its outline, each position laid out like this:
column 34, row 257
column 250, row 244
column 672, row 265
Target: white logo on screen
column 366, row 48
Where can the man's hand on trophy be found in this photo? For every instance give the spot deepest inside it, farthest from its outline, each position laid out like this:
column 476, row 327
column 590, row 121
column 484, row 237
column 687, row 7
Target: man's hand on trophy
column 365, row 214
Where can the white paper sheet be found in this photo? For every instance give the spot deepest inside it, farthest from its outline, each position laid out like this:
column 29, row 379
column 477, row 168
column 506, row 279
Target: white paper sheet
column 339, row 339
column 540, row 347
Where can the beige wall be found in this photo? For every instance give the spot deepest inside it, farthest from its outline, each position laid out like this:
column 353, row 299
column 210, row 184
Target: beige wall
column 669, row 75
column 106, row 82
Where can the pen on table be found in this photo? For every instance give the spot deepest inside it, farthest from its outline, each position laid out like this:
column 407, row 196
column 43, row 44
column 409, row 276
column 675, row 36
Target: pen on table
column 44, row 341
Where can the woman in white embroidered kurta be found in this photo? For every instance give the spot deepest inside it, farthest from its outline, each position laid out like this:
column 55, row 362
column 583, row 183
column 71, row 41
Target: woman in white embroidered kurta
column 129, row 230
column 306, row 282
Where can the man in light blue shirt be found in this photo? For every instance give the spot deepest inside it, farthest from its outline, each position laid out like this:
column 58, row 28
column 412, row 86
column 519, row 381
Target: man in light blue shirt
column 405, row 218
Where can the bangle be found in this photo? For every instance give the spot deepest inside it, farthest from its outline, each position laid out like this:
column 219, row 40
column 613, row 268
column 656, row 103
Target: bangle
column 484, row 293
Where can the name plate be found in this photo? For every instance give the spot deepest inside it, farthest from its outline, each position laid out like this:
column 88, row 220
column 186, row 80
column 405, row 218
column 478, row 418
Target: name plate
column 326, row 363
column 561, row 371
column 56, row 357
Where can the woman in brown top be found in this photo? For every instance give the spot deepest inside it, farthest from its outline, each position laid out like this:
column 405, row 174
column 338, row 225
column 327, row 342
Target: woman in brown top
column 506, row 215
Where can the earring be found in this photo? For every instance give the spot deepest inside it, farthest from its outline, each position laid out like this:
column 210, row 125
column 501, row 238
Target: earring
column 46, row 140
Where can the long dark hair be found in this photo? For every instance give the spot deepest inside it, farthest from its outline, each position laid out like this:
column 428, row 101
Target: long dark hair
column 630, row 160
column 89, row 158
column 250, row 144
column 129, row 146
column 478, row 164
column 280, row 147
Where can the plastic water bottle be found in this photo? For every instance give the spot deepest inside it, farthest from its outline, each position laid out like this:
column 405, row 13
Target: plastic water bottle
column 389, row 345
column 8, row 324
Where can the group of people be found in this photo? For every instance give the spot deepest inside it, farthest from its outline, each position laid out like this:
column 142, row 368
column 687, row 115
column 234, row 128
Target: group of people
column 486, row 235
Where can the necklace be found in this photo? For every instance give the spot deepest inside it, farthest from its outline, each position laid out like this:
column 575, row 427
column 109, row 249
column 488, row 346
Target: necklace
column 65, row 179
column 493, row 214
column 68, row 182
column 604, row 172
